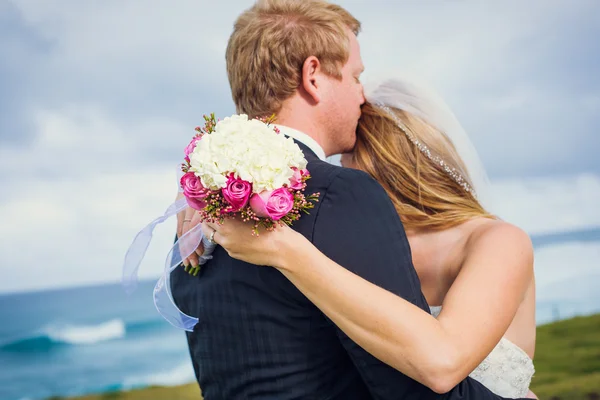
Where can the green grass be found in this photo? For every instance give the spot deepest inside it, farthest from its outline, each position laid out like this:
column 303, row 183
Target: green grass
column 567, row 360
column 184, row 392
column 567, row 363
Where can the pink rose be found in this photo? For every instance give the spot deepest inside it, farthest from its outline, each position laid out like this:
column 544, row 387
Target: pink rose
column 193, row 191
column 274, row 205
column 190, row 147
column 296, row 181
column 237, row 192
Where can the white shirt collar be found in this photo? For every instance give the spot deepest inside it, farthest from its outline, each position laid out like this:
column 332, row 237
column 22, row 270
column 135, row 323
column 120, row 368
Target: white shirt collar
column 304, row 139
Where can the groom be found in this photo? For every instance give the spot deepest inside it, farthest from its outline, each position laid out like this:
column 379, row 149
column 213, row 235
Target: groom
column 258, row 337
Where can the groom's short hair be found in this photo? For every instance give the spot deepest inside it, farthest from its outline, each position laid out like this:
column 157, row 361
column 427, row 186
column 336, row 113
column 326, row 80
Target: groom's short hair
column 270, row 43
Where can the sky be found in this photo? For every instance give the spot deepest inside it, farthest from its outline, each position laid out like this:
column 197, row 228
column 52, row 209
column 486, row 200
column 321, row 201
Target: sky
column 99, row 98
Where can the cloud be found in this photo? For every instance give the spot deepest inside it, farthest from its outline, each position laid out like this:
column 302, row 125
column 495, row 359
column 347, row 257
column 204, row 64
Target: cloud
column 132, row 59
column 549, row 205
column 71, row 214
column 518, row 75
column 77, row 231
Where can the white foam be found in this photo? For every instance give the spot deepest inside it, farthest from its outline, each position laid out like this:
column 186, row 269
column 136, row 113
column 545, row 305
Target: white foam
column 72, row 334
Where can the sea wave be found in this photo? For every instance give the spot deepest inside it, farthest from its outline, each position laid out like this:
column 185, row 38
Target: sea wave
column 56, row 335
column 76, row 335
column 67, row 335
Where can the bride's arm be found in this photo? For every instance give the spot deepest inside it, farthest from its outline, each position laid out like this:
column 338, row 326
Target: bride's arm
column 439, row 353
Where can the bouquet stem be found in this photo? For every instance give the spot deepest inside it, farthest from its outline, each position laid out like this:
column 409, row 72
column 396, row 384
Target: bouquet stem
column 193, row 271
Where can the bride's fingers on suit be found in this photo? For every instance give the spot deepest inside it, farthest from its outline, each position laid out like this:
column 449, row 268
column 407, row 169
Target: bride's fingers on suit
column 206, row 229
column 180, row 218
column 193, row 260
column 197, row 220
column 188, row 215
column 212, row 226
column 187, row 224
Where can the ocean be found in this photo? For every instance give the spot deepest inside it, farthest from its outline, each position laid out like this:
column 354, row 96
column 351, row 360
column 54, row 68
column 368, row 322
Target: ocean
column 97, row 339
column 87, row 340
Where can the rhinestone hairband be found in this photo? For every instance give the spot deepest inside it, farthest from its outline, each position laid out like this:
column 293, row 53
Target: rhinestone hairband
column 451, row 171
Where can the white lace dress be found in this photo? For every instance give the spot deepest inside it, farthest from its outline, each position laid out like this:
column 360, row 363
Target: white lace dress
column 506, row 371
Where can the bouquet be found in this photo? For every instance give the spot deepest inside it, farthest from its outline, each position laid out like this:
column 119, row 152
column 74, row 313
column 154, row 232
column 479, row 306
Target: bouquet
column 235, row 167
column 244, row 167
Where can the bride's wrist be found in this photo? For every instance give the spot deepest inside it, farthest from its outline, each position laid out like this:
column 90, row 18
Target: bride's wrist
column 285, row 247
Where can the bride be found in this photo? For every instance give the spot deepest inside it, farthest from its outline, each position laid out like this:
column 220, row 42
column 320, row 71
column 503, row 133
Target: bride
column 475, row 270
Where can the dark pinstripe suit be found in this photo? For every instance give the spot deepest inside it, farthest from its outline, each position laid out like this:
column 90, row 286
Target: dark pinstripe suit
column 258, row 337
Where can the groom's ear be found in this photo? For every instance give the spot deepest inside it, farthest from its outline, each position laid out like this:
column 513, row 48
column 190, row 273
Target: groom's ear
column 311, row 74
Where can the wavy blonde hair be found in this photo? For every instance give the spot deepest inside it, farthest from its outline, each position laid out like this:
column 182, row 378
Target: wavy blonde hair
column 272, row 40
column 424, row 195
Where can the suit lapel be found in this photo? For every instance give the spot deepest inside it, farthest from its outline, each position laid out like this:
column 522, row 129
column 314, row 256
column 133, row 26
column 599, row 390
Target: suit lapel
column 308, row 153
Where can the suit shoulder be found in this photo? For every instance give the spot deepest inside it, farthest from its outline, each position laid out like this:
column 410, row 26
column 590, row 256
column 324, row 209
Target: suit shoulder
column 359, row 183
column 322, row 174
column 348, row 185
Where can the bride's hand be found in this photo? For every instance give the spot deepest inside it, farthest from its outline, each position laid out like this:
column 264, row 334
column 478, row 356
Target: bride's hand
column 236, row 237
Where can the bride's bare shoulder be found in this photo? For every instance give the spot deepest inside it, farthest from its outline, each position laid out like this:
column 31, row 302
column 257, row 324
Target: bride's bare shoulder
column 500, row 239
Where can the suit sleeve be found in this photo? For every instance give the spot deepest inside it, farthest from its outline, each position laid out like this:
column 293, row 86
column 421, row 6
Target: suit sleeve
column 358, row 227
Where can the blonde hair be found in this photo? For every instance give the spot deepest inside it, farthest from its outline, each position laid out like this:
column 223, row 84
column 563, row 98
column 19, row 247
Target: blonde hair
column 270, row 43
column 424, row 195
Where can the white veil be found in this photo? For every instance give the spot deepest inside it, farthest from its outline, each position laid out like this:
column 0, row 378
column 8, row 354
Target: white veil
column 424, row 103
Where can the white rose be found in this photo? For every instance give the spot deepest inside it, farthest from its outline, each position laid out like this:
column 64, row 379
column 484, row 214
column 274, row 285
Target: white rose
column 249, row 149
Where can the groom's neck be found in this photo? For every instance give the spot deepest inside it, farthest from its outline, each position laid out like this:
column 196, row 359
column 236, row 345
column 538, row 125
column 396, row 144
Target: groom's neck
column 304, row 124
column 310, row 130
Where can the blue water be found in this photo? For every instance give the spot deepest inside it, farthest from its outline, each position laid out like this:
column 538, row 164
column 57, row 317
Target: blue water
column 586, row 235
column 86, row 340
column 96, row 339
